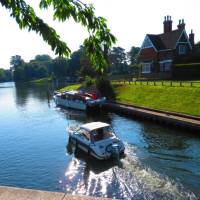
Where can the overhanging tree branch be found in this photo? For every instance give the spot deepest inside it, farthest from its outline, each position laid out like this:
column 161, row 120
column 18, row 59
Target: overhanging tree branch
column 97, row 44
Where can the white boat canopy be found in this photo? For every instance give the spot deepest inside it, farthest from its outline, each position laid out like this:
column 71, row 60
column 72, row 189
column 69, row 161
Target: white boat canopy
column 94, row 125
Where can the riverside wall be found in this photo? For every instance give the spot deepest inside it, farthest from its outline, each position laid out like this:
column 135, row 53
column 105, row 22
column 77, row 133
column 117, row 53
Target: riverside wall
column 12, row 193
column 177, row 120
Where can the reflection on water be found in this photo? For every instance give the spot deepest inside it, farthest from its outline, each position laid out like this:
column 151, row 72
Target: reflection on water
column 94, row 165
column 131, row 181
column 160, row 163
column 25, row 92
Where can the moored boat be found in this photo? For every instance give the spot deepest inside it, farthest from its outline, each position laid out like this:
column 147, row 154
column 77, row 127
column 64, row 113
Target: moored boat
column 97, row 139
column 78, row 100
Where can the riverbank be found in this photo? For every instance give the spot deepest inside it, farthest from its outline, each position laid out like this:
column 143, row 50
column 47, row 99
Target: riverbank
column 11, row 193
column 41, row 81
column 184, row 100
column 173, row 99
column 168, row 118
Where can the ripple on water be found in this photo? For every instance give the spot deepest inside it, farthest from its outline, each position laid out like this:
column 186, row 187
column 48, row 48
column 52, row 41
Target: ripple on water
column 161, row 163
column 130, row 180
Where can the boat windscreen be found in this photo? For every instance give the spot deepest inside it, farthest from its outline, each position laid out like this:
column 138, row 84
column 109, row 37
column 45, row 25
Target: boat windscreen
column 101, row 133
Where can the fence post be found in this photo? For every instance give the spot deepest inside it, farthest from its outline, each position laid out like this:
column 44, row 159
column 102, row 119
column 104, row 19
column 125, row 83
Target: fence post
column 135, row 82
column 180, row 84
column 171, row 83
column 162, row 83
column 154, row 83
column 147, row 83
column 191, row 84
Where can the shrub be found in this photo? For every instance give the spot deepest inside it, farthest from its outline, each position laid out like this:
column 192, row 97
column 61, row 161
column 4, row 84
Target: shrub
column 105, row 88
column 88, row 81
column 188, row 71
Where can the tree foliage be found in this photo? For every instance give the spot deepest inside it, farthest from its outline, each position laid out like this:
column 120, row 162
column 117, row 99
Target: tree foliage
column 5, row 75
column 96, row 45
column 43, row 66
column 16, row 61
column 133, row 54
column 118, row 60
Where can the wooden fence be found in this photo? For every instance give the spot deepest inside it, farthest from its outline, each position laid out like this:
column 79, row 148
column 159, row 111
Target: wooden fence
column 161, row 83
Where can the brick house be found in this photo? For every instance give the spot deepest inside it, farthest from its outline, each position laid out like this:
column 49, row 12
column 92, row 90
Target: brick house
column 158, row 52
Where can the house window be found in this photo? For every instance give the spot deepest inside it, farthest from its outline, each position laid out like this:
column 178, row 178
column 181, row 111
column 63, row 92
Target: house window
column 146, row 68
column 165, row 66
column 182, row 49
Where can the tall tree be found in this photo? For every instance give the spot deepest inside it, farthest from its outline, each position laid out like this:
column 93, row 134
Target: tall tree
column 97, row 44
column 75, row 61
column 60, row 67
column 118, row 60
column 16, row 61
column 132, row 55
column 42, row 58
column 2, row 75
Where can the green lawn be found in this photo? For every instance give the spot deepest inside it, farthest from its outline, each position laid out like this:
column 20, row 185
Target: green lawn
column 176, row 99
column 70, row 87
column 41, row 81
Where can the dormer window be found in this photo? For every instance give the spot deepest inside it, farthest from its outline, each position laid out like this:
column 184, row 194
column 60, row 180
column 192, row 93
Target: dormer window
column 182, row 49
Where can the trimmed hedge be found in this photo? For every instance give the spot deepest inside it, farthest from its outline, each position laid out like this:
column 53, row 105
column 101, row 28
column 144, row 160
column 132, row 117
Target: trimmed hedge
column 188, row 71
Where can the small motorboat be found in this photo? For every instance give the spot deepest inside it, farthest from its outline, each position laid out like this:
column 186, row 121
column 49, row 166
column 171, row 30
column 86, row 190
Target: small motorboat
column 97, row 139
column 78, row 100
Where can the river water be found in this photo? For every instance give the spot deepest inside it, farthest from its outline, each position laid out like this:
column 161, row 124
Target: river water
column 160, row 162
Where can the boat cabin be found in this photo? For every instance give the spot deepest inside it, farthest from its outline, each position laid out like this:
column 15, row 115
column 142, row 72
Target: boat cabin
column 96, row 131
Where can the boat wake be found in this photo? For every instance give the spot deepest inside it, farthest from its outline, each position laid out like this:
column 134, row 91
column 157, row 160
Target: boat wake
column 129, row 180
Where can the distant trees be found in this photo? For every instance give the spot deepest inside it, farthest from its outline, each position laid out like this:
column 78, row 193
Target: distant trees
column 118, row 60
column 133, row 54
column 44, row 66
column 5, row 75
column 16, row 61
column 121, row 62
column 36, row 68
column 79, row 64
column 59, row 67
column 133, row 60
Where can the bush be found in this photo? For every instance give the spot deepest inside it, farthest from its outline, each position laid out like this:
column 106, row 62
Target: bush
column 105, row 88
column 88, row 81
column 188, row 71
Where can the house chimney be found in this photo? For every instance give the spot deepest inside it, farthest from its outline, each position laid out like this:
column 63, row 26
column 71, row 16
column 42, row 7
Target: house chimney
column 167, row 24
column 191, row 38
column 181, row 24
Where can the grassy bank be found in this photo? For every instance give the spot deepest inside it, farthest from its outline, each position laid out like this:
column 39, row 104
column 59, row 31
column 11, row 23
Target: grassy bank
column 176, row 99
column 41, row 81
column 70, row 87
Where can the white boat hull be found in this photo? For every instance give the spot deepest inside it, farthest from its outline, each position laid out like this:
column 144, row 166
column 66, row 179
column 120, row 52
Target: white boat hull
column 75, row 104
column 90, row 149
column 78, row 104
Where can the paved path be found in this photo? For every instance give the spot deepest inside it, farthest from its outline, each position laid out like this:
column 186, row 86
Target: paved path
column 10, row 193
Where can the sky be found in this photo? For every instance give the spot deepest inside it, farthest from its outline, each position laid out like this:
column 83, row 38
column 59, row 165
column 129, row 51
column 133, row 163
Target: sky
column 129, row 21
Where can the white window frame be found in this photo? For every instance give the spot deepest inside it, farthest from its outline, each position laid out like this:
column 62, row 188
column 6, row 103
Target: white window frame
column 182, row 49
column 165, row 65
column 146, row 68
